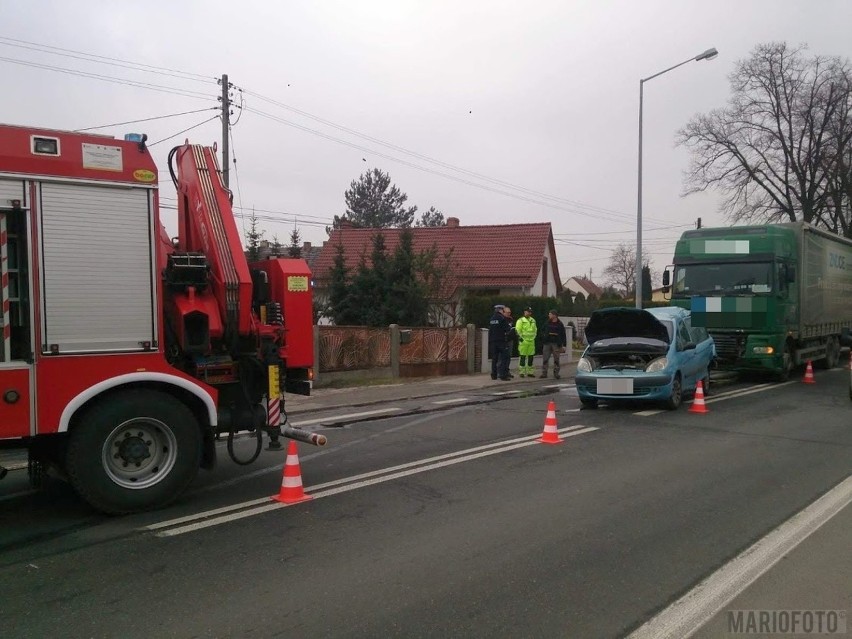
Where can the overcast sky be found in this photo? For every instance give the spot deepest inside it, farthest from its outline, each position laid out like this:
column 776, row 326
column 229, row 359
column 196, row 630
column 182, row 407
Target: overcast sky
column 539, row 99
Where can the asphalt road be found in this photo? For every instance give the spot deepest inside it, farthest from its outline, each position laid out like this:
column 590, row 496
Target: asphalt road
column 439, row 524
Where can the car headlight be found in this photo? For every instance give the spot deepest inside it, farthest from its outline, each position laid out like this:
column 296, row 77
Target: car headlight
column 763, row 350
column 657, row 365
column 585, row 365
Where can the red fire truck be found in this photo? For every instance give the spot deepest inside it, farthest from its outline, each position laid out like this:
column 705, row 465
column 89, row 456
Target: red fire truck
column 125, row 353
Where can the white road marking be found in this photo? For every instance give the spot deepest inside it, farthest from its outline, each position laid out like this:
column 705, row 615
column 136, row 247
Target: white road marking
column 689, row 613
column 367, row 413
column 451, row 401
column 326, row 451
column 337, row 482
column 335, row 487
column 509, row 392
column 720, row 397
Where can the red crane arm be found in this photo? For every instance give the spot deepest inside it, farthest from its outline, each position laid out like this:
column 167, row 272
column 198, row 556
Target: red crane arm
column 206, row 224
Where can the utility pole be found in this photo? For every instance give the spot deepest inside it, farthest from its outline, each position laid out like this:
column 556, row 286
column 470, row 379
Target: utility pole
column 699, row 222
column 226, row 125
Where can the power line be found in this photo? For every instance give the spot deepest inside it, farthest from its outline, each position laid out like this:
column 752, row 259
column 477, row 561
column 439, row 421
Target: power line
column 137, row 66
column 159, row 117
column 195, row 126
column 325, row 219
column 633, row 231
column 428, row 170
column 99, row 59
column 237, row 175
column 430, row 159
column 106, row 78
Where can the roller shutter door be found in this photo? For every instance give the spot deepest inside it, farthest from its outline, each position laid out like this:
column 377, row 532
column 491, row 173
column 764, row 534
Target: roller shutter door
column 97, row 269
column 11, row 190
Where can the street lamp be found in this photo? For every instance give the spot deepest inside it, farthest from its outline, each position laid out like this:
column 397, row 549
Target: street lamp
column 707, row 55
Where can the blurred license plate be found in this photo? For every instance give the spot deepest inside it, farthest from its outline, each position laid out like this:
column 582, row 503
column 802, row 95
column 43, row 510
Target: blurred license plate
column 615, row 386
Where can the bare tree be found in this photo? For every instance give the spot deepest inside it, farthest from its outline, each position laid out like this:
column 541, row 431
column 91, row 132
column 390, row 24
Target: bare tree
column 436, row 270
column 777, row 150
column 837, row 161
column 620, row 273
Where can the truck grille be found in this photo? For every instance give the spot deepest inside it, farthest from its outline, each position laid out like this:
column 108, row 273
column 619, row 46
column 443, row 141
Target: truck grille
column 728, row 347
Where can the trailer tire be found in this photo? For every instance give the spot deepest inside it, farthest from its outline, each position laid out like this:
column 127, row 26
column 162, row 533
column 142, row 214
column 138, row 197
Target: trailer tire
column 133, row 450
column 832, row 354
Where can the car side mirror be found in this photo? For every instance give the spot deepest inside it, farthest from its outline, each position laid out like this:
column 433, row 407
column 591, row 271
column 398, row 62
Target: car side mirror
column 790, row 274
column 689, row 346
column 666, row 278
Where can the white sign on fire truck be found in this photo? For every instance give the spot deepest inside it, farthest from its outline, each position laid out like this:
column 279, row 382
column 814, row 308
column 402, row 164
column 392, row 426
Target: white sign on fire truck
column 102, row 158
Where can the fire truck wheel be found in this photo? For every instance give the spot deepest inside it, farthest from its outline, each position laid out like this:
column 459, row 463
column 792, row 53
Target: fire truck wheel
column 134, row 450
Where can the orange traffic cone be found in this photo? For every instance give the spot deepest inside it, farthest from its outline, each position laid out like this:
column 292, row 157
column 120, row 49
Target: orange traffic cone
column 291, row 483
column 550, row 434
column 809, row 374
column 698, row 406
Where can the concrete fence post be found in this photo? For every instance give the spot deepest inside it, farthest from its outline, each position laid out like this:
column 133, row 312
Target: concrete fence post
column 471, row 349
column 486, row 363
column 394, row 350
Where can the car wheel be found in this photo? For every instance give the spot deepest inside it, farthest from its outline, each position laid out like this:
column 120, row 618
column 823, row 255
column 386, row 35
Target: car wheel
column 588, row 402
column 705, row 384
column 674, row 400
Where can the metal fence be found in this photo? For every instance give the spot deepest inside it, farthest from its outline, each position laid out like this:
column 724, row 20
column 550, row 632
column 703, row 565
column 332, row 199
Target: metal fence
column 411, row 352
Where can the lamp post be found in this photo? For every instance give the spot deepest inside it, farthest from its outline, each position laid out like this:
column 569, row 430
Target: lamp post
column 707, row 55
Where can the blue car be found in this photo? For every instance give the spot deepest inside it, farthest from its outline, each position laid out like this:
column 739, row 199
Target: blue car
column 650, row 354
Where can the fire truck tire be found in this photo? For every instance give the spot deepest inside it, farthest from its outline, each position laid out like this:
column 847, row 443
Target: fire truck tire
column 134, row 450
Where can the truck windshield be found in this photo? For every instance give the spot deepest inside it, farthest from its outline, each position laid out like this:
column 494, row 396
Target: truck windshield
column 741, row 278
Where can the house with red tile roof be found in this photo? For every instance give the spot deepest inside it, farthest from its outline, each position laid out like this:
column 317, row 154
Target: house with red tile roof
column 582, row 284
column 504, row 259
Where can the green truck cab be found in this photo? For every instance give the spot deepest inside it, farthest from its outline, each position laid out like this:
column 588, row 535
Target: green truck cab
column 772, row 296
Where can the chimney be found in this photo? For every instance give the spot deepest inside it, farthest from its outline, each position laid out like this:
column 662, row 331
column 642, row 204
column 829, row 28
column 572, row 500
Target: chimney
column 306, row 247
column 452, row 222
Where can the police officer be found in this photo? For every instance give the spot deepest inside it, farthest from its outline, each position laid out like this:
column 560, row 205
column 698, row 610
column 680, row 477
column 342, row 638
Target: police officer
column 499, row 332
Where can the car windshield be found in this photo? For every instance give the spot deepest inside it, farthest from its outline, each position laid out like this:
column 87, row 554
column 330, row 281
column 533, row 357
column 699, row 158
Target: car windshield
column 740, row 278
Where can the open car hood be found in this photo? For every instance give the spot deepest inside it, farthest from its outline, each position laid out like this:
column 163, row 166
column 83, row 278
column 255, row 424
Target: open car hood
column 610, row 323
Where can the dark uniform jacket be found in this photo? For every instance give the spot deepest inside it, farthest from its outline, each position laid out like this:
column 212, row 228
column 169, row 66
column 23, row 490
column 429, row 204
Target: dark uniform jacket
column 499, row 330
